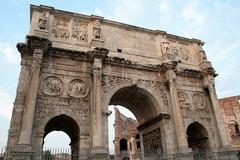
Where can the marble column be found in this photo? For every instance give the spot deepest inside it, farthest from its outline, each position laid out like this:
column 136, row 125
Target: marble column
column 97, row 108
column 18, row 108
column 99, row 54
column 177, row 114
column 209, row 84
column 29, row 110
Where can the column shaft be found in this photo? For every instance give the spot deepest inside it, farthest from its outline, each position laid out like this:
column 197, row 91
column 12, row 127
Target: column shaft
column 97, row 124
column 177, row 114
column 29, row 110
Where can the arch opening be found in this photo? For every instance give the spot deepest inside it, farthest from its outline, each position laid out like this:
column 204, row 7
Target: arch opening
column 67, row 125
column 123, row 145
column 234, row 131
column 145, row 108
column 197, row 137
column 141, row 103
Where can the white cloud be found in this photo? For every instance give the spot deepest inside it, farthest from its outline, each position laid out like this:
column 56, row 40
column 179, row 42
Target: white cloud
column 6, row 105
column 9, row 52
column 164, row 6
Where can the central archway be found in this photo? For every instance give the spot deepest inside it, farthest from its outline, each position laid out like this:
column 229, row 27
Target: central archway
column 67, row 125
column 145, row 108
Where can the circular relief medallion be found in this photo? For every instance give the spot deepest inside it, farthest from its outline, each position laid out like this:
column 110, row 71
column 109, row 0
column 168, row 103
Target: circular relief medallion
column 52, row 86
column 78, row 88
column 183, row 100
column 198, row 101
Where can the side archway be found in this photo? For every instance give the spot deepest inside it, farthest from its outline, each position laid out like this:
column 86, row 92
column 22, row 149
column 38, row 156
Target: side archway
column 197, row 137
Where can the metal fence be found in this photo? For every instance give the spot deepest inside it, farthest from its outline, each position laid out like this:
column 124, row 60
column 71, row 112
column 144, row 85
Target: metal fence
column 23, row 153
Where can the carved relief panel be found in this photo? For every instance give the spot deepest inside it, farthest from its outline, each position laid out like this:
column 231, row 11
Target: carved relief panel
column 61, row 28
column 80, row 31
column 183, row 100
column 77, row 88
column 52, row 86
column 195, row 106
column 42, row 22
column 199, row 101
column 152, row 141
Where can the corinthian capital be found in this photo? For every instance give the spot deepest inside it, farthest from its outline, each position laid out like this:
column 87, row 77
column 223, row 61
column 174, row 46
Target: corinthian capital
column 209, row 81
column 171, row 76
column 100, row 53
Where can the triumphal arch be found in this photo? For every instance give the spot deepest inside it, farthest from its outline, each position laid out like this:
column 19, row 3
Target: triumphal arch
column 74, row 66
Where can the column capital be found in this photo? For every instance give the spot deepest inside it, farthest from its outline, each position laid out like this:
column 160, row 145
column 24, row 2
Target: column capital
column 209, row 82
column 35, row 42
column 100, row 53
column 171, row 76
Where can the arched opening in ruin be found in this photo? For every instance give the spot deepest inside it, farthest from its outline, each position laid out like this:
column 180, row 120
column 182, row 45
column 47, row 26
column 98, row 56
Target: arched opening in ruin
column 70, row 127
column 197, row 137
column 143, row 106
column 123, row 145
column 233, row 128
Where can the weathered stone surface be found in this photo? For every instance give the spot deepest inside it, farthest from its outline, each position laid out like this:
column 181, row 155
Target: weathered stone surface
column 74, row 66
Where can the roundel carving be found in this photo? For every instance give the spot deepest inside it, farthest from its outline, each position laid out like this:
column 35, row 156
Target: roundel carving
column 78, row 88
column 51, row 86
column 199, row 101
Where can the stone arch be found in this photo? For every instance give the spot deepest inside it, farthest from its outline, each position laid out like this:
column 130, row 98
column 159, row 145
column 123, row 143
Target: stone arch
column 61, row 114
column 211, row 132
column 233, row 128
column 123, row 144
column 151, row 93
column 197, row 136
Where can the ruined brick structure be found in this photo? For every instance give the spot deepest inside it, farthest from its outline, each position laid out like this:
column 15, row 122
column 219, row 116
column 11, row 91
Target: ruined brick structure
column 127, row 137
column 230, row 107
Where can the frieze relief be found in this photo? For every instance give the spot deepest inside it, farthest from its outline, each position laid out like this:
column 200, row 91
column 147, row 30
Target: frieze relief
column 77, row 88
column 52, row 86
column 61, row 28
column 152, row 141
column 181, row 51
column 80, row 31
column 199, row 101
column 109, row 82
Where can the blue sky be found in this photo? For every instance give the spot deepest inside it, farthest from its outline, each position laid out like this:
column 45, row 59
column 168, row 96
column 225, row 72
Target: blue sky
column 216, row 22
